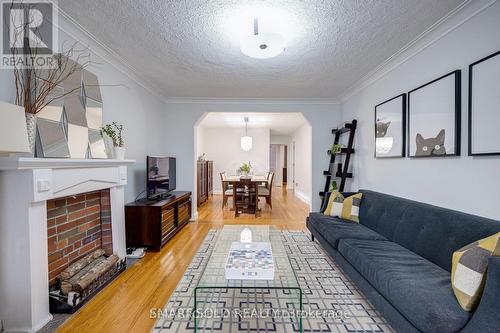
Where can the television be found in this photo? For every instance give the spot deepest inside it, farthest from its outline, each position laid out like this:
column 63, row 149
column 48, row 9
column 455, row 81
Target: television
column 161, row 175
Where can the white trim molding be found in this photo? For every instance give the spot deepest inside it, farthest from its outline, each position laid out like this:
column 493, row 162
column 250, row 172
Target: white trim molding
column 236, row 100
column 75, row 30
column 453, row 20
column 300, row 195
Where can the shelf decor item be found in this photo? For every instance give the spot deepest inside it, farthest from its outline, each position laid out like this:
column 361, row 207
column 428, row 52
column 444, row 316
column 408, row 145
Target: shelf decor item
column 390, row 127
column 484, row 101
column 434, row 117
column 13, row 131
column 335, row 149
column 115, row 132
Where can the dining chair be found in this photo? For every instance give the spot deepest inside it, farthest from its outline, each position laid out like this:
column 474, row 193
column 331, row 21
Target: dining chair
column 266, row 191
column 227, row 190
column 265, row 184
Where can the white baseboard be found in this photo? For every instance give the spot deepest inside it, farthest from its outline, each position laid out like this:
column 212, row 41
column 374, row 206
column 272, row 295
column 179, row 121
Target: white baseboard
column 302, row 197
column 194, row 216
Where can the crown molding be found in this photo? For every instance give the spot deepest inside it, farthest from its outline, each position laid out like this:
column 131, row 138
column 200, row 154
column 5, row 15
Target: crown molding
column 450, row 22
column 103, row 51
column 235, row 100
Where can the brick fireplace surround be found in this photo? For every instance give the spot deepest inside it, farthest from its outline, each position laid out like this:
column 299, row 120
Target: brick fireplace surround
column 52, row 212
column 76, row 226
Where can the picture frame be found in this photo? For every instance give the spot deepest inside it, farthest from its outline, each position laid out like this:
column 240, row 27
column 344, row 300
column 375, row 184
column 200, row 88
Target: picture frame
column 390, row 128
column 484, row 106
column 434, row 117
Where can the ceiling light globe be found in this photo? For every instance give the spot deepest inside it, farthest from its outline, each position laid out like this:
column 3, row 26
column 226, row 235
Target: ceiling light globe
column 263, row 45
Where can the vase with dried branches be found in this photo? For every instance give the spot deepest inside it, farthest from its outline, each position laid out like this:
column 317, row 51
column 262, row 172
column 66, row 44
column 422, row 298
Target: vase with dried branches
column 36, row 87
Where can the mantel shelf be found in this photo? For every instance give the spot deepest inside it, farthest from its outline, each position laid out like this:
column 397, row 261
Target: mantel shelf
column 26, row 163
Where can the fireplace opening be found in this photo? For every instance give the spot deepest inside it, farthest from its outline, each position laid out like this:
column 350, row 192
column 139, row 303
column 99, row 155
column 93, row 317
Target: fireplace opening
column 76, row 226
column 80, row 249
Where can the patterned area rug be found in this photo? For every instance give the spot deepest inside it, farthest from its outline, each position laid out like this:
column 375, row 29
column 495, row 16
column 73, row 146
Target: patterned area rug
column 331, row 301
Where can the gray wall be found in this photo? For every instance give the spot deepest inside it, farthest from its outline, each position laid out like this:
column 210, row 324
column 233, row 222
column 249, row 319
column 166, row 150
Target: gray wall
column 470, row 184
column 181, row 118
column 136, row 107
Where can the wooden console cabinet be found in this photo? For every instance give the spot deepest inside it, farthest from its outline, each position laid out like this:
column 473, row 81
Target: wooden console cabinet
column 152, row 223
column 205, row 180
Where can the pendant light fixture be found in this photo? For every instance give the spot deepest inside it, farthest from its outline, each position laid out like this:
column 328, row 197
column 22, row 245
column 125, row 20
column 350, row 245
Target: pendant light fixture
column 262, row 45
column 246, row 141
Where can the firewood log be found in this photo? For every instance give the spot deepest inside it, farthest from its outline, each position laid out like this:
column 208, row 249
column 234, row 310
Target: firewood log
column 68, row 285
column 77, row 266
column 94, row 273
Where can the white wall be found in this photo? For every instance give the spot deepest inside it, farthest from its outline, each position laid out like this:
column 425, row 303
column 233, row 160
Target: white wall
column 280, row 139
column 303, row 166
column 222, row 145
column 462, row 183
column 130, row 103
column 181, row 117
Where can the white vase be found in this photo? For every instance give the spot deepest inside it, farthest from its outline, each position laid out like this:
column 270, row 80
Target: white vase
column 108, row 146
column 31, row 128
column 119, row 153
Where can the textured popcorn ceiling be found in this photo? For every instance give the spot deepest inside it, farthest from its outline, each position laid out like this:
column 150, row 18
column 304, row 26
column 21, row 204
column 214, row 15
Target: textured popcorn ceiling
column 190, row 48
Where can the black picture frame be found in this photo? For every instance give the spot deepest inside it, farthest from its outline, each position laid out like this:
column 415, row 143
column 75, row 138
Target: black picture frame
column 471, row 111
column 403, row 126
column 457, row 115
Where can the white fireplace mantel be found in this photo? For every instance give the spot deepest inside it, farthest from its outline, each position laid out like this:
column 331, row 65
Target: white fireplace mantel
column 25, row 186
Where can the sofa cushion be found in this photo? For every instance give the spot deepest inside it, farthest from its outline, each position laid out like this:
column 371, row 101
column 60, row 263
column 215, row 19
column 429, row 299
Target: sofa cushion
column 419, row 289
column 346, row 208
column 333, row 229
column 468, row 273
column 432, row 232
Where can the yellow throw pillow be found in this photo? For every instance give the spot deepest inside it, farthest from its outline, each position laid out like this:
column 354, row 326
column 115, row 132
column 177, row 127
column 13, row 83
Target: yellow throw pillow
column 468, row 270
column 345, row 208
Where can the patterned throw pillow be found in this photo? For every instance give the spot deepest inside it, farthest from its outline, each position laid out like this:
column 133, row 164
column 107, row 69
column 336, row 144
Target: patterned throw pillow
column 468, row 270
column 345, row 208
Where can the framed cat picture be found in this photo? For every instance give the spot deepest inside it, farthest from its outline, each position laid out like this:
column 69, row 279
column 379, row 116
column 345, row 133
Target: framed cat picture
column 390, row 127
column 434, row 112
column 484, row 106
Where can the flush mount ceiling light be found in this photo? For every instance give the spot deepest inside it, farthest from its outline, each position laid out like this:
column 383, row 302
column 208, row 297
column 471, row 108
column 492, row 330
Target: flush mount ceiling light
column 262, row 45
column 246, row 141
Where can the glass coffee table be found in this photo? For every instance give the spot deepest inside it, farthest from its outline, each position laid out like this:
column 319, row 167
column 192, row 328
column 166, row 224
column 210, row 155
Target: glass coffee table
column 248, row 303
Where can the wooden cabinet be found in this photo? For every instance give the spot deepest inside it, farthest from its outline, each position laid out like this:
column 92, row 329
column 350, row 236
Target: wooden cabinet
column 152, row 224
column 210, row 178
column 205, row 180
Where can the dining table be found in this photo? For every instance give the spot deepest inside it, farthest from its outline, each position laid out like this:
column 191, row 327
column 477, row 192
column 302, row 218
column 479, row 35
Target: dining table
column 238, row 182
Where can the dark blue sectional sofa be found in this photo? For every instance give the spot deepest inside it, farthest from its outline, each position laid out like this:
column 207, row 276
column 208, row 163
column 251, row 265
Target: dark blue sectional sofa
column 400, row 255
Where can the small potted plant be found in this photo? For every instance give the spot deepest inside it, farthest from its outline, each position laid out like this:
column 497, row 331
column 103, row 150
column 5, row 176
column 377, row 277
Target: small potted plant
column 335, row 149
column 114, row 132
column 245, row 169
column 333, row 186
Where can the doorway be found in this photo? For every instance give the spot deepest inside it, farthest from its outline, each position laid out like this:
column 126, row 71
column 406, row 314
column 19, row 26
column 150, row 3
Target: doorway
column 278, row 163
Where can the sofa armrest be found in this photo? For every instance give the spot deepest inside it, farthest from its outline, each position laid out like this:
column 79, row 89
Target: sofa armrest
column 486, row 318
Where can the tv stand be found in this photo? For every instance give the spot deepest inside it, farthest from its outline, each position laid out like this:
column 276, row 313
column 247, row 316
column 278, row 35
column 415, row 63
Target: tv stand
column 152, row 223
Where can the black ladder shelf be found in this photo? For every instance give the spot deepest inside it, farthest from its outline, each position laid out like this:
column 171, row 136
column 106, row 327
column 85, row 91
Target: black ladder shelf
column 341, row 172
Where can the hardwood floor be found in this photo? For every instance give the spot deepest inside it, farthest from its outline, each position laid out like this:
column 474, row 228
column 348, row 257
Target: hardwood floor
column 125, row 304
